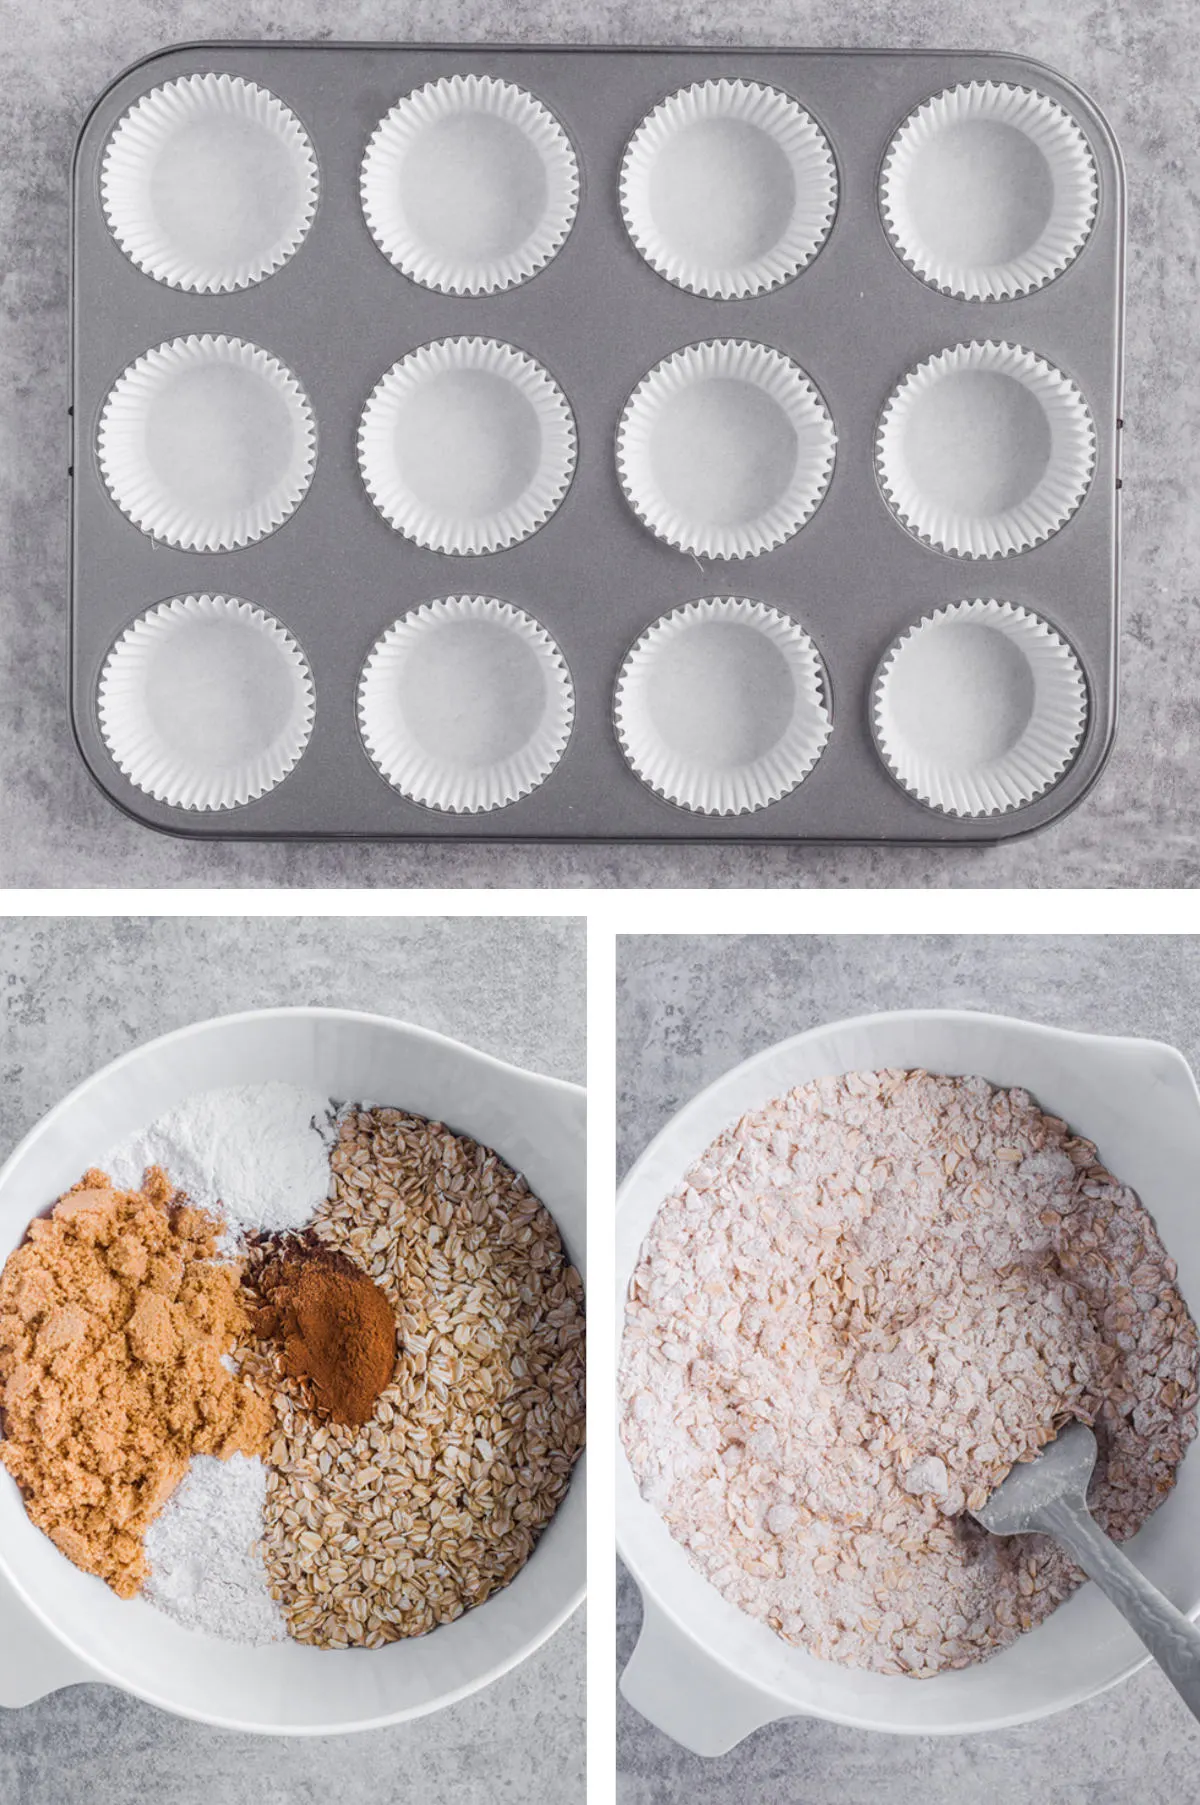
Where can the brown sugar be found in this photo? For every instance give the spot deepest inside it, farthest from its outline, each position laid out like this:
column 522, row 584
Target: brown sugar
column 114, row 1316
column 335, row 1327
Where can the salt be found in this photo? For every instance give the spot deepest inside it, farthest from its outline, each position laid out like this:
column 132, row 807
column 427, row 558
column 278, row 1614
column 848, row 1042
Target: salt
column 206, row 1570
column 257, row 1155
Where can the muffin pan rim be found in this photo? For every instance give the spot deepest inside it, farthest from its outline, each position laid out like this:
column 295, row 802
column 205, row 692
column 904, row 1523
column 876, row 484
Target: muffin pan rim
column 679, row 582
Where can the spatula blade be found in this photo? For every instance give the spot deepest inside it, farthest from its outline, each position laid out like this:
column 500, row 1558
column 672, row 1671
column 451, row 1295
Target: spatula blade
column 1062, row 1470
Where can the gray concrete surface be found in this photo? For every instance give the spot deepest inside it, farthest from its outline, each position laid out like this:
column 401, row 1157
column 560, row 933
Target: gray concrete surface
column 687, row 1010
column 73, row 995
column 1137, row 57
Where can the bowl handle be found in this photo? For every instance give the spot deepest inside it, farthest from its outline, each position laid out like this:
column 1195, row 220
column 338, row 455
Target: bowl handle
column 32, row 1661
column 674, row 1684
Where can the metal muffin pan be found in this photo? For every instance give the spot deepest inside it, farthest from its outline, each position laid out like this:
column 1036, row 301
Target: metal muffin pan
column 597, row 317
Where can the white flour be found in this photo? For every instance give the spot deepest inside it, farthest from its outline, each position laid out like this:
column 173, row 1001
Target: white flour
column 205, row 1568
column 258, row 1155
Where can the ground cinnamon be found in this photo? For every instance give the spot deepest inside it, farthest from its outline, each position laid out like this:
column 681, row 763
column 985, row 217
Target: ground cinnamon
column 334, row 1325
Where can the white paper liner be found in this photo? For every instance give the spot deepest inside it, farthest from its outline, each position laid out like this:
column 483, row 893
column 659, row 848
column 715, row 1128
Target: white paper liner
column 725, row 449
column 985, row 450
column 467, row 446
column 469, row 185
column 979, row 708
column 207, row 443
column 205, row 702
column 989, row 191
column 728, row 189
column 720, row 707
column 209, row 184
column 466, row 704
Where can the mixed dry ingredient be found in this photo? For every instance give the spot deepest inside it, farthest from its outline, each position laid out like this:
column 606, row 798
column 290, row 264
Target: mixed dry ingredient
column 866, row 1302
column 367, row 1319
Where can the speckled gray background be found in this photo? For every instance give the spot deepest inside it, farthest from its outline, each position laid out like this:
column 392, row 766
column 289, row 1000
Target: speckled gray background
column 687, row 1010
column 73, row 995
column 1137, row 57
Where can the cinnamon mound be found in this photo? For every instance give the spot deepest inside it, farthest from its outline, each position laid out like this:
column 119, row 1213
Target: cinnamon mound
column 334, row 1326
column 114, row 1316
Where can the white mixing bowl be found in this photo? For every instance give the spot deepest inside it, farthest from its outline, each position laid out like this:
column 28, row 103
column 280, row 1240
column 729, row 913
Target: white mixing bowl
column 59, row 1626
column 707, row 1674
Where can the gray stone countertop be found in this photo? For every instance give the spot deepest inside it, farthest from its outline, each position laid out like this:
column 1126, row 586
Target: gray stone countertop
column 1141, row 826
column 689, row 1008
column 73, row 995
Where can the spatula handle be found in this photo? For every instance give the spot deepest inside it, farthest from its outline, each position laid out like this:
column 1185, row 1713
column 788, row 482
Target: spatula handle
column 1172, row 1638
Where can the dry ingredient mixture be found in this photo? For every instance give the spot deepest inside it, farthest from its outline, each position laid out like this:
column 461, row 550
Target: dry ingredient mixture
column 114, row 1316
column 865, row 1303
column 395, row 1393
column 384, row 1530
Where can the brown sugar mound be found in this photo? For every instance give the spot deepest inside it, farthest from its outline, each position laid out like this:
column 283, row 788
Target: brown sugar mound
column 114, row 1316
column 335, row 1327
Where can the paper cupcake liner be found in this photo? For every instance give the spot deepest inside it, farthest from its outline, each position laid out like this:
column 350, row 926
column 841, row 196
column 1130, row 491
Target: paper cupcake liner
column 725, row 449
column 979, row 708
column 465, row 705
column 205, row 702
column 467, row 446
column 985, row 450
column 207, row 443
column 721, row 706
column 469, row 185
column 989, row 191
column 209, row 184
column 687, row 181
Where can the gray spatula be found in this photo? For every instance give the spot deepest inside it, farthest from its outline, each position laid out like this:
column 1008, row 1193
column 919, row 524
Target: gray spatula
column 1050, row 1494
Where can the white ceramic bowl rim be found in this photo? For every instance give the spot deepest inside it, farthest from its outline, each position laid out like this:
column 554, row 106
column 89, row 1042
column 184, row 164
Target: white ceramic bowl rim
column 710, row 1687
column 560, row 1110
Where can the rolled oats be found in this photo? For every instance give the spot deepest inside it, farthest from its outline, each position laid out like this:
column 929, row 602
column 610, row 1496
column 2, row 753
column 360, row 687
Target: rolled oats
column 383, row 1531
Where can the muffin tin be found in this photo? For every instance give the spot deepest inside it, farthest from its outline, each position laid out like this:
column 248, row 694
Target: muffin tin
column 425, row 422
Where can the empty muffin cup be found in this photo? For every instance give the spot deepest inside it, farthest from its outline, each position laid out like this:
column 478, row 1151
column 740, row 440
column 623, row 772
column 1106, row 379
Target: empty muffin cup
column 205, row 702
column 466, row 704
column 721, row 706
column 209, row 184
column 725, row 449
column 728, row 189
column 207, row 443
column 989, row 191
column 467, row 446
column 985, row 450
column 469, row 185
column 979, row 708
